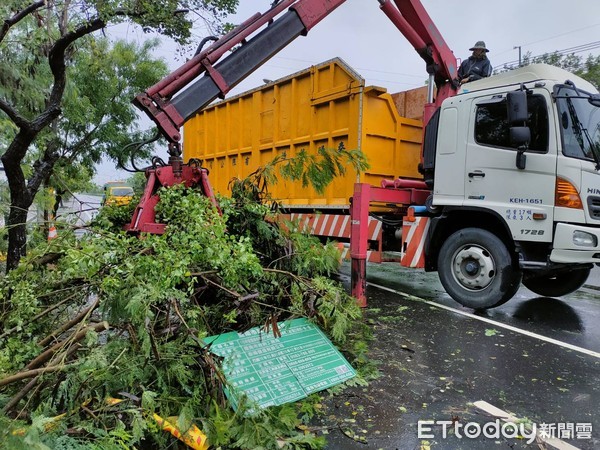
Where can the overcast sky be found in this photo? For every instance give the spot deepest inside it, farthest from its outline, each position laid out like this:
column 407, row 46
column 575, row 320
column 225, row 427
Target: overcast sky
column 363, row 36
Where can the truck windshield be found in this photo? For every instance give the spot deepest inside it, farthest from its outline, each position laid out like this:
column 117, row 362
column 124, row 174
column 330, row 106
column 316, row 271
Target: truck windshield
column 580, row 124
column 121, row 191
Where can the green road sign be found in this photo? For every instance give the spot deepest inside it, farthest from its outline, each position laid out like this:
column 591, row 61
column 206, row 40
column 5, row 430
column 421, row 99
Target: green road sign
column 273, row 371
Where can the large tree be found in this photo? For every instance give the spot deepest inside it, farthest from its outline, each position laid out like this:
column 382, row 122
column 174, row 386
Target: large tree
column 98, row 118
column 39, row 43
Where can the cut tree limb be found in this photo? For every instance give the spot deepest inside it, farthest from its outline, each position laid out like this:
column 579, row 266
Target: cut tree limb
column 70, row 324
column 33, row 373
column 45, row 356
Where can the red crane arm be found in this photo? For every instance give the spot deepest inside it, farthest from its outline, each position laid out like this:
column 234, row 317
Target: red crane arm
column 170, row 111
column 410, row 17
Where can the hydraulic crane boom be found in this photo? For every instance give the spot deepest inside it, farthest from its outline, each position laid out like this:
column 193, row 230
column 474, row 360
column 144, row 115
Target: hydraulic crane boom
column 222, row 73
column 415, row 24
column 170, row 113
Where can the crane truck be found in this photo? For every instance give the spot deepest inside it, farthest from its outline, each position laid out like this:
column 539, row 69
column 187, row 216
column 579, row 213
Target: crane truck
column 510, row 186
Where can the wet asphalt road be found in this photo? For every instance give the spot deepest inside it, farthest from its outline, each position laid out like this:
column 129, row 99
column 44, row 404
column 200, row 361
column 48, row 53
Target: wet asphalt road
column 574, row 319
column 435, row 363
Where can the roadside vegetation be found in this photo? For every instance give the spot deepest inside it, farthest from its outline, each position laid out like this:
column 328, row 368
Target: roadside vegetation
column 114, row 316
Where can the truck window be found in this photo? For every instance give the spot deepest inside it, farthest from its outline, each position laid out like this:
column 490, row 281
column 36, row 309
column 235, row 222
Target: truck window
column 491, row 123
column 121, row 191
column 580, row 123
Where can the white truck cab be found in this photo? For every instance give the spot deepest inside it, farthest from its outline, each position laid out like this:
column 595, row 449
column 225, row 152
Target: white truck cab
column 516, row 185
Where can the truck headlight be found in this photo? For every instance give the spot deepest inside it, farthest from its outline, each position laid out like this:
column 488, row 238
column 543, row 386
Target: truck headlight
column 583, row 239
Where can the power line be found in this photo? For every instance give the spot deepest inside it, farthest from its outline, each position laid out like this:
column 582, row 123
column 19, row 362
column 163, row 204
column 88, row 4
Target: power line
column 551, row 37
column 562, row 34
column 568, row 51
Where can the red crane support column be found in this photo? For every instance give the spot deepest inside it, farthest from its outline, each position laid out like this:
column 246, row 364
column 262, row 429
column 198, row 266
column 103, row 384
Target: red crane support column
column 359, row 216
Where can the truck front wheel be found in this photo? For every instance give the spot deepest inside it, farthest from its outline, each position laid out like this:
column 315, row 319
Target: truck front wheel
column 557, row 285
column 476, row 269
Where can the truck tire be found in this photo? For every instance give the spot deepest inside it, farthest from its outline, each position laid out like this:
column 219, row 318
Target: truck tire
column 476, row 269
column 557, row 285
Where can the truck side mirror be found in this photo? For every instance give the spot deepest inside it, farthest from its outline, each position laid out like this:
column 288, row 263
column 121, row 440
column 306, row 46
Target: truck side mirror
column 519, row 138
column 594, row 100
column 516, row 103
column 519, row 133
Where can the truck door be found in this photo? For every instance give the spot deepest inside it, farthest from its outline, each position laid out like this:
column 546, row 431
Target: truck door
column 492, row 179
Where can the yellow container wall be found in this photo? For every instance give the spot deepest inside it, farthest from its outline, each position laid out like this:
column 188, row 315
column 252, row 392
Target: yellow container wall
column 326, row 105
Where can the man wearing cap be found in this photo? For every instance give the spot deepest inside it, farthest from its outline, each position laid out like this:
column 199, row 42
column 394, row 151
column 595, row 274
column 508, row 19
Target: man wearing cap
column 477, row 66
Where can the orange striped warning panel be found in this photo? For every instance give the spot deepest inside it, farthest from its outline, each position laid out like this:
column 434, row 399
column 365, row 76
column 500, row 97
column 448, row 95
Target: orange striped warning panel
column 413, row 242
column 52, row 234
column 373, row 256
column 332, row 225
column 338, row 226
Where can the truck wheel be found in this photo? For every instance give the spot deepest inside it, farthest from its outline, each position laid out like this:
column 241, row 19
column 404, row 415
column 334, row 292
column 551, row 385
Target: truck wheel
column 557, row 285
column 476, row 269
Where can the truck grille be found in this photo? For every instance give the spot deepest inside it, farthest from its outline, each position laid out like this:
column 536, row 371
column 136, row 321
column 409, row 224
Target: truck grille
column 594, row 207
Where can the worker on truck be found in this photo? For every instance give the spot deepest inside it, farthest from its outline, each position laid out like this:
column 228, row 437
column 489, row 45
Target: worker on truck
column 476, row 66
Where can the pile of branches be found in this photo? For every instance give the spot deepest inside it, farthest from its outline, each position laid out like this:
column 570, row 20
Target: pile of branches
column 99, row 334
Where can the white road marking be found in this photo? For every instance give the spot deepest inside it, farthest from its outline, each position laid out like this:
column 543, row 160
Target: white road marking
column 490, row 321
column 551, row 441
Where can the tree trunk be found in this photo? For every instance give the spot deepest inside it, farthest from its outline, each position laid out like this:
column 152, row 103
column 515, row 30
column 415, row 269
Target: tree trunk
column 20, row 197
column 22, row 192
column 49, row 213
column 17, row 232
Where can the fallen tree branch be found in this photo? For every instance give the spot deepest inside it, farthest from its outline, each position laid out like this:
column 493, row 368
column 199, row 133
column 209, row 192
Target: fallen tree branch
column 152, row 340
column 76, row 283
column 39, row 316
column 298, row 278
column 48, row 258
column 19, row 396
column 45, row 356
column 223, row 288
column 70, row 324
column 23, row 392
column 34, row 373
column 174, row 302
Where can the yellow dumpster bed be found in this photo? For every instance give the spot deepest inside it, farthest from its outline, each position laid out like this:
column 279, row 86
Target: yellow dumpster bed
column 325, row 105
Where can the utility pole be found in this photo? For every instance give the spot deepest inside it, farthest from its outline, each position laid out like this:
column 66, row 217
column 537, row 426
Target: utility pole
column 519, row 47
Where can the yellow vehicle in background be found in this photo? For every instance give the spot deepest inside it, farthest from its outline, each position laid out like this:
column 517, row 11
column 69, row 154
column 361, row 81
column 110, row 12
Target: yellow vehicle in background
column 117, row 193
